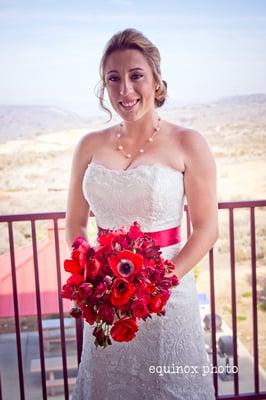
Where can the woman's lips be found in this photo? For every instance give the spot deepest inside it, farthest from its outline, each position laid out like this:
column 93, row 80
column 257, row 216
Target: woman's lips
column 128, row 105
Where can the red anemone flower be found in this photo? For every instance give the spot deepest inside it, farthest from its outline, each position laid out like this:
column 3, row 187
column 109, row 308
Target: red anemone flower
column 121, row 291
column 125, row 264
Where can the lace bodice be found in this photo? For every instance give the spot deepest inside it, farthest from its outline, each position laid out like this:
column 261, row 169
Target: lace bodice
column 154, row 194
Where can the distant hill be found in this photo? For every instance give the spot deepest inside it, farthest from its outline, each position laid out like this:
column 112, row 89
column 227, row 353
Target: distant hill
column 259, row 98
column 27, row 121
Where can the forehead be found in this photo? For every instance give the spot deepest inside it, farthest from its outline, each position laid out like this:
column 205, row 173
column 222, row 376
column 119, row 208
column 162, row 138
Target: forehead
column 121, row 60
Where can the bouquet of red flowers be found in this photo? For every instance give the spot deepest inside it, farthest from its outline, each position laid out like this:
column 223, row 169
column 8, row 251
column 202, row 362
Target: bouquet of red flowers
column 118, row 282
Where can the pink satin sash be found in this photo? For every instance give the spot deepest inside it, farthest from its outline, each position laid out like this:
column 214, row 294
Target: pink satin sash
column 167, row 237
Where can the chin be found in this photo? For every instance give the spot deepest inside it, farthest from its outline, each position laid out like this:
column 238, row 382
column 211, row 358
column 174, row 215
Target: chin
column 133, row 117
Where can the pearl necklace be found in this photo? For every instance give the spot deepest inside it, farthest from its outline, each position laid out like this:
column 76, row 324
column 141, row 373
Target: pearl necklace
column 141, row 150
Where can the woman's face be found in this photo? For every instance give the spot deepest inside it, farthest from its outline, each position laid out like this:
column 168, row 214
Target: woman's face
column 130, row 84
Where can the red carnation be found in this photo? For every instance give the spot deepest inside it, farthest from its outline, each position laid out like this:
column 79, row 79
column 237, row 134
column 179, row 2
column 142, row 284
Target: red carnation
column 135, row 231
column 124, row 330
column 125, row 264
column 121, row 291
column 111, row 238
column 75, row 280
column 67, row 291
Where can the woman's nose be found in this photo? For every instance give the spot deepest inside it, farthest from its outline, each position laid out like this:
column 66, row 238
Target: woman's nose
column 126, row 87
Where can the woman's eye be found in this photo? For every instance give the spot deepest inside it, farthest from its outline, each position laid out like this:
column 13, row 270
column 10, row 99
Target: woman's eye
column 136, row 76
column 113, row 78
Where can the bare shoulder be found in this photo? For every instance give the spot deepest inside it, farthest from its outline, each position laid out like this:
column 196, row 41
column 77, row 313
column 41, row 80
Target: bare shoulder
column 195, row 150
column 89, row 143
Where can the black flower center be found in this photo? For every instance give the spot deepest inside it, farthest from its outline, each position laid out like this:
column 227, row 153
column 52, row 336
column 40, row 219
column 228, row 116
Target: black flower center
column 125, row 267
column 121, row 286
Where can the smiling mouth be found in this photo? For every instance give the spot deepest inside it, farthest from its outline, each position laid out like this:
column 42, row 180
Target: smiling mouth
column 128, row 104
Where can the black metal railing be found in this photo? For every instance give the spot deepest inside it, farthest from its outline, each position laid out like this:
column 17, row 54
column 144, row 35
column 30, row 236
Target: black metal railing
column 55, row 216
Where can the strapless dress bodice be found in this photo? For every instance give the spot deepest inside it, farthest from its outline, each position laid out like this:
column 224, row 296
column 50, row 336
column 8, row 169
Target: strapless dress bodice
column 151, row 194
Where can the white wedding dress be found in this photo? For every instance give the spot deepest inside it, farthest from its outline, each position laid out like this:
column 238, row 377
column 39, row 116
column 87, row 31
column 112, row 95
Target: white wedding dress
column 167, row 358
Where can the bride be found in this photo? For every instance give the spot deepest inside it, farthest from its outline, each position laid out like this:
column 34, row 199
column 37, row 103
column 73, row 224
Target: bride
column 141, row 170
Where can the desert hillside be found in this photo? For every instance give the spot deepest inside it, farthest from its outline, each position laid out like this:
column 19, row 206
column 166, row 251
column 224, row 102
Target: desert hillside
column 35, row 168
column 28, row 121
column 38, row 143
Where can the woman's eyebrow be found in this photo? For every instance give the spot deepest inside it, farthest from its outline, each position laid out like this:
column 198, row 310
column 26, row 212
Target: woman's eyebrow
column 131, row 69
column 136, row 69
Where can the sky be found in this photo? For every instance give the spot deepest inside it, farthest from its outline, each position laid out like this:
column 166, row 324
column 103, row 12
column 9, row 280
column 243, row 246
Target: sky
column 50, row 50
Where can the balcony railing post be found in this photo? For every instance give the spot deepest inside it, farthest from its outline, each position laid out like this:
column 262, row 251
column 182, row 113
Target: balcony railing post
column 1, row 397
column 61, row 310
column 254, row 300
column 233, row 297
column 16, row 310
column 79, row 330
column 39, row 309
column 213, row 320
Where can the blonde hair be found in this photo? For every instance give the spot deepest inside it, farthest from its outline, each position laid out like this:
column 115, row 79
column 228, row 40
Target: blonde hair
column 133, row 39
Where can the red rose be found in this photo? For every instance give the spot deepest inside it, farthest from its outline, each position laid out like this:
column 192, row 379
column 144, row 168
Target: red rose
column 101, row 339
column 165, row 294
column 166, row 283
column 124, row 330
column 121, row 291
column 156, row 304
column 106, row 313
column 85, row 290
column 170, row 266
column 89, row 314
column 75, row 312
column 99, row 335
column 72, row 266
column 139, row 308
column 81, row 245
column 125, row 264
column 92, row 268
column 124, row 308
column 175, row 280
column 100, row 290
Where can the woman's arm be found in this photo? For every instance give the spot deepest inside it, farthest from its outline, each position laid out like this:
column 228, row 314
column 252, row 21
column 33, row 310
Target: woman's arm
column 77, row 212
column 201, row 194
